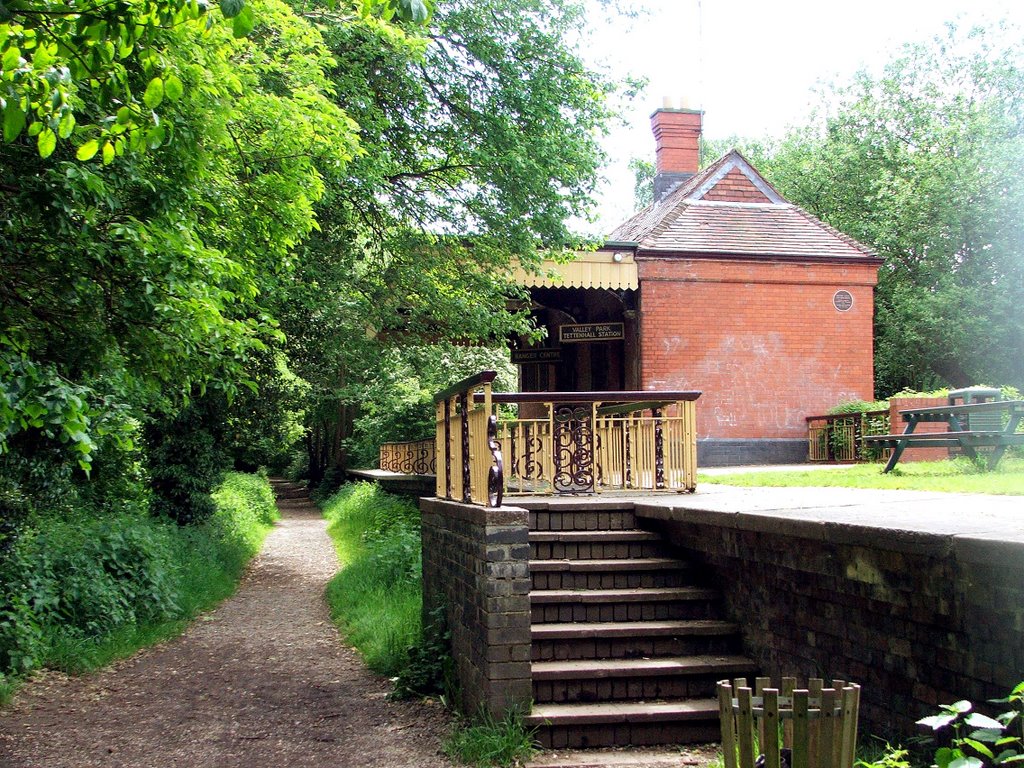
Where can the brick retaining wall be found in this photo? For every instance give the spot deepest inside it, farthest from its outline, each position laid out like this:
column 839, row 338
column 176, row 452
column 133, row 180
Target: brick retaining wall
column 476, row 560
column 917, row 618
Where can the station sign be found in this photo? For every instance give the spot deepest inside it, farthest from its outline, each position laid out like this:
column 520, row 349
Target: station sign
column 537, row 355
column 583, row 332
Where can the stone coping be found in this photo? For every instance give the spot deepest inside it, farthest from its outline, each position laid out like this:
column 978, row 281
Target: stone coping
column 974, row 527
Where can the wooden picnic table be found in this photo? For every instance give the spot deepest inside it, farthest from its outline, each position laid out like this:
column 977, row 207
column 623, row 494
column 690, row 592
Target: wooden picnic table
column 960, row 433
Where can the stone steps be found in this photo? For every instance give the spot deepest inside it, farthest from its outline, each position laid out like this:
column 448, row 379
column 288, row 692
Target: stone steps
column 626, row 644
column 639, row 604
column 624, row 723
column 644, row 679
column 596, row 545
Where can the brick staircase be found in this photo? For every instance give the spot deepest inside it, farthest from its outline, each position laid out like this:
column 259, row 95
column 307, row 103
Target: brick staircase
column 626, row 647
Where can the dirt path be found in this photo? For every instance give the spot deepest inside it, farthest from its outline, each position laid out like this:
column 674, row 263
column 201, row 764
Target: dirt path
column 262, row 681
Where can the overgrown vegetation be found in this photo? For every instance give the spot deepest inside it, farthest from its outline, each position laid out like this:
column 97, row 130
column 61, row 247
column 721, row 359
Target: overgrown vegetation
column 484, row 741
column 376, row 598
column 956, row 476
column 965, row 737
column 80, row 589
column 376, row 601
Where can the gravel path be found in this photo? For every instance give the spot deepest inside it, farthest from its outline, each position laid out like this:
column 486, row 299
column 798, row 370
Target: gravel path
column 261, row 681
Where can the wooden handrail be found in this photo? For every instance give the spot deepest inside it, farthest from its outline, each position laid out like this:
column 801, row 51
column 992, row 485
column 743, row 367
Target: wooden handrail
column 484, row 377
column 633, row 396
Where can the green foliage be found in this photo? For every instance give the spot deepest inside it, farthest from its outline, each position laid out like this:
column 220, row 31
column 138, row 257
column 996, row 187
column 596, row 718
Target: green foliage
column 979, row 741
column 429, row 669
column 487, row 742
column 922, row 164
column 78, row 590
column 187, row 461
column 376, row 597
column 397, row 399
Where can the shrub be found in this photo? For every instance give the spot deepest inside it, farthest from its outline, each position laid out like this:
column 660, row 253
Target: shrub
column 84, row 588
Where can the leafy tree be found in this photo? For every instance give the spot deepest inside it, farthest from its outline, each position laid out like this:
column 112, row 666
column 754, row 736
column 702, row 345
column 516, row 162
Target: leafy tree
column 923, row 164
column 480, row 141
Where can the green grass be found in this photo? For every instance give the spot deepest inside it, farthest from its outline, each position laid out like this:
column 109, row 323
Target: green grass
column 488, row 742
column 376, row 598
column 91, row 590
column 956, row 476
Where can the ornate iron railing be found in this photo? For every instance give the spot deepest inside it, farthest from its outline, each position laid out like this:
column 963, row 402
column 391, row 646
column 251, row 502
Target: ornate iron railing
column 414, row 457
column 837, row 437
column 562, row 442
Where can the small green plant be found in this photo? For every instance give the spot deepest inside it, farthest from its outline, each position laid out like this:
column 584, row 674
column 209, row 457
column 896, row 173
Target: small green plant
column 979, row 741
column 490, row 742
column 889, row 757
column 429, row 669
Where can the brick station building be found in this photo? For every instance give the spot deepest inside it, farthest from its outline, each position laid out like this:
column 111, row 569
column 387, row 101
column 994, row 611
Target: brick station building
column 721, row 285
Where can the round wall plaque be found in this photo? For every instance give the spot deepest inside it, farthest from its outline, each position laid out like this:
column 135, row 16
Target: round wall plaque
column 842, row 300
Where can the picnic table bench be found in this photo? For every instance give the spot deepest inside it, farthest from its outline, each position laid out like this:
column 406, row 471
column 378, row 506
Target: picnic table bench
column 960, row 433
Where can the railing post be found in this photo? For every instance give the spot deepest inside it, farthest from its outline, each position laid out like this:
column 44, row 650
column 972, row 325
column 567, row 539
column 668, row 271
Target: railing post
column 467, row 493
column 447, row 448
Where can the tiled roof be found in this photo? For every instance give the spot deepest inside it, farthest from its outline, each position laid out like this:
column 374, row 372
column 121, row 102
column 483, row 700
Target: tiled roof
column 684, row 222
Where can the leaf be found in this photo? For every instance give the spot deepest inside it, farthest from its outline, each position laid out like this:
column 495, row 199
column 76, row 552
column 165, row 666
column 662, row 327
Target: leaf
column 977, row 746
column 66, row 125
column 154, row 93
column 108, row 153
column 966, row 761
column 944, row 756
column 935, row 722
column 978, row 720
column 155, row 137
column 88, row 150
column 415, row 10
column 173, row 89
column 12, row 58
column 959, row 706
column 243, row 23
column 231, row 8
column 47, row 142
column 14, row 121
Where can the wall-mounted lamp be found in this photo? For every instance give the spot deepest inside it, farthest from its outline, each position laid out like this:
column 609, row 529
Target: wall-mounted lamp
column 617, row 258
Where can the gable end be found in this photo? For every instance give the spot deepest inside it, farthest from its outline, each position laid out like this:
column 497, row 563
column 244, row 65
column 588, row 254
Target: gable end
column 741, row 183
column 735, row 187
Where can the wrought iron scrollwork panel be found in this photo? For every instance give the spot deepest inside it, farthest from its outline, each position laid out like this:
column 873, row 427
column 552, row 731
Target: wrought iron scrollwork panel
column 573, row 443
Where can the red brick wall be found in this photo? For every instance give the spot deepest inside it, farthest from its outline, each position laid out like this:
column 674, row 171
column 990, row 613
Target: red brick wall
column 760, row 338
column 897, row 425
column 736, row 188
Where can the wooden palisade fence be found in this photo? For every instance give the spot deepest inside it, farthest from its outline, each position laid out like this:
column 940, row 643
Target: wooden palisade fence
column 813, row 727
column 562, row 442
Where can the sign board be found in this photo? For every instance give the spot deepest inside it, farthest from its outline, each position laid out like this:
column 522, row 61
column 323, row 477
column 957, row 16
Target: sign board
column 571, row 334
column 539, row 355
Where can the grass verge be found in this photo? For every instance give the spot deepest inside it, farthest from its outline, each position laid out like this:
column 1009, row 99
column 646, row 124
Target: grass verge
column 954, row 476
column 487, row 741
column 92, row 589
column 376, row 598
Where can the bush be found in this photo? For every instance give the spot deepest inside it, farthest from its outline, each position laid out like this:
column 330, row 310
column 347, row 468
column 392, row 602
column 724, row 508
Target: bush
column 78, row 590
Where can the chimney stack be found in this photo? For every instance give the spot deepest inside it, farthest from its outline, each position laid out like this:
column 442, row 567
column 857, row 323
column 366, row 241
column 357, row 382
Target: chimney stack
column 677, row 135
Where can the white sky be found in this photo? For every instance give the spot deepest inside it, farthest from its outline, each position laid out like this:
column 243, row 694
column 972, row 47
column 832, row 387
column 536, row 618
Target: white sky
column 752, row 65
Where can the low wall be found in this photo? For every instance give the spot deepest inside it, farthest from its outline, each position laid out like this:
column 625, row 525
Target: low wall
column 476, row 562
column 897, row 425
column 720, row 452
column 870, row 594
